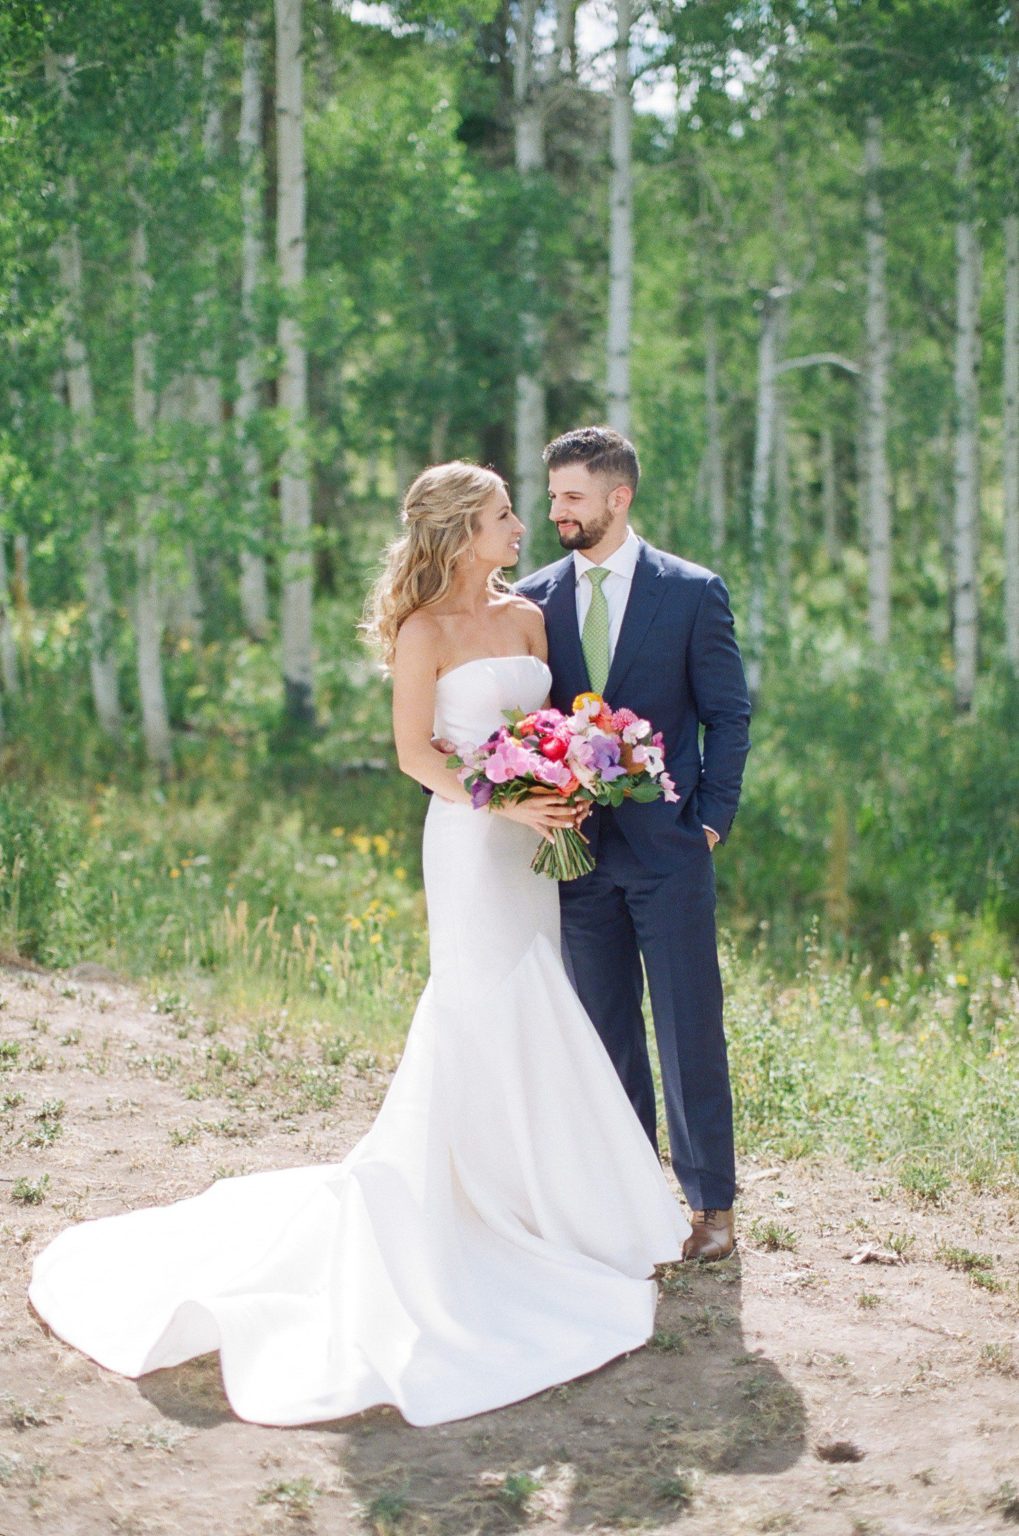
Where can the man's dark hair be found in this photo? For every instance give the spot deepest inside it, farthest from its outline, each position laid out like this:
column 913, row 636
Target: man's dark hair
column 602, row 450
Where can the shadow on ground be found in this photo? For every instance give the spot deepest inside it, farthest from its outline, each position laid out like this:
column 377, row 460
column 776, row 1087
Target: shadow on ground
column 622, row 1446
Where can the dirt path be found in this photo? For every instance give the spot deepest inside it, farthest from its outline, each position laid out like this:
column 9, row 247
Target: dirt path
column 904, row 1376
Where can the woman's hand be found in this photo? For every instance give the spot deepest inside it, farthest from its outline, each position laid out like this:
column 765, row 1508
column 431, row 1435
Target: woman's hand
column 544, row 813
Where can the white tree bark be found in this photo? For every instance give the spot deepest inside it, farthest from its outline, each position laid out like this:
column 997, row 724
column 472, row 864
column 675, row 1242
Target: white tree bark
column 1010, row 407
column 8, row 643
column 253, row 585
column 566, row 37
column 207, row 404
column 879, row 523
column 102, row 663
column 148, row 621
column 621, row 229
column 967, row 419
column 295, row 485
column 783, row 518
column 530, row 412
column 830, row 497
column 760, row 481
column 715, row 461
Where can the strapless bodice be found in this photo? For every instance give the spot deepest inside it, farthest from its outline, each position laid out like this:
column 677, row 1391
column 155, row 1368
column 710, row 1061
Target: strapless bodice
column 470, row 700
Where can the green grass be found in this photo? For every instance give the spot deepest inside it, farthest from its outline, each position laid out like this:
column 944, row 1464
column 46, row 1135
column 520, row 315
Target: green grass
column 30, row 1191
column 298, row 911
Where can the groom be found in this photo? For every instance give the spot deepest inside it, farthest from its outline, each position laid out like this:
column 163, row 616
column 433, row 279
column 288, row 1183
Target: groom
column 653, row 633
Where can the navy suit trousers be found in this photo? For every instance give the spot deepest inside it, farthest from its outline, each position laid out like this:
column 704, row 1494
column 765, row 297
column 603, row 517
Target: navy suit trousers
column 612, row 918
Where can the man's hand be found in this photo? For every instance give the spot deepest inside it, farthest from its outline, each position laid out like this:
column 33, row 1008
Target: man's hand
column 712, row 836
column 447, row 748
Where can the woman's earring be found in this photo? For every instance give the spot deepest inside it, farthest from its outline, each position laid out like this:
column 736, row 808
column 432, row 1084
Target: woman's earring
column 470, row 554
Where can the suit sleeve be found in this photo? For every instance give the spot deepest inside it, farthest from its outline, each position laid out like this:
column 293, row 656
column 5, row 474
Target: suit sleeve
column 719, row 687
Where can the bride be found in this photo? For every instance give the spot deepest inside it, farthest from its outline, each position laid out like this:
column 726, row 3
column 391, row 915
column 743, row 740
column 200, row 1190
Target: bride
column 495, row 1231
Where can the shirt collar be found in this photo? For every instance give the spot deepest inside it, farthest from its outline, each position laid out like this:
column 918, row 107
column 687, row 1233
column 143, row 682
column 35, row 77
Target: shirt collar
column 623, row 562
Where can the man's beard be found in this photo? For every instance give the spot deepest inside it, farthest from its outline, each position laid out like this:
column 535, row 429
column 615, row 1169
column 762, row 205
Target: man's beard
column 587, row 538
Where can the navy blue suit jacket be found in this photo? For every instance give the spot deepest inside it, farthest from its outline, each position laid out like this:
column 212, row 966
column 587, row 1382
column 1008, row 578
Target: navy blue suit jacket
column 676, row 664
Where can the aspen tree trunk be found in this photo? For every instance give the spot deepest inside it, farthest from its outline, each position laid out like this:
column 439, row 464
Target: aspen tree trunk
column 295, row 486
column 205, row 404
column 155, row 720
column 829, row 497
column 715, row 463
column 781, row 509
column 253, row 585
column 405, row 467
column 8, row 644
column 22, row 605
column 764, row 434
column 967, row 473
column 102, row 664
column 621, row 230
column 1010, row 407
column 878, row 508
column 208, row 410
column 566, row 37
column 783, row 519
column 530, row 414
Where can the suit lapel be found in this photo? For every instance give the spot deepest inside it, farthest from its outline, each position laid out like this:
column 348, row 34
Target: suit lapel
column 564, row 634
column 646, row 592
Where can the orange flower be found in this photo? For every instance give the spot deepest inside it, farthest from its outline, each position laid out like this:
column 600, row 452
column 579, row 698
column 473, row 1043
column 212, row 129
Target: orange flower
column 583, row 699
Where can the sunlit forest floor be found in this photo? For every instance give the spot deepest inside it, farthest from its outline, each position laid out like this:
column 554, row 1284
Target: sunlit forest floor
column 852, row 1371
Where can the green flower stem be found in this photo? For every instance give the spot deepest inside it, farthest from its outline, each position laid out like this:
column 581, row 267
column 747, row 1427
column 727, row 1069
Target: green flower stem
column 567, row 857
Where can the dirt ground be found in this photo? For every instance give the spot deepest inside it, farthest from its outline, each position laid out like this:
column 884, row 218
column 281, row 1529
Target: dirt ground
column 787, row 1390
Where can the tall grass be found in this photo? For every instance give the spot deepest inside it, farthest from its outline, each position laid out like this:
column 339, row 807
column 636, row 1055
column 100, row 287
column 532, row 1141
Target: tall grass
column 258, row 911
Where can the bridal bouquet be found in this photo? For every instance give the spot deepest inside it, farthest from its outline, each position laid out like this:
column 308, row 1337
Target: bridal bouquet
column 596, row 754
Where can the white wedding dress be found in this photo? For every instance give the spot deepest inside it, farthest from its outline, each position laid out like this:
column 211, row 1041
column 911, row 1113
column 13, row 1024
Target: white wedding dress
column 493, row 1234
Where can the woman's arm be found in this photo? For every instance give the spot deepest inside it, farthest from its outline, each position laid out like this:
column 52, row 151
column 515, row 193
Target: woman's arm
column 415, row 669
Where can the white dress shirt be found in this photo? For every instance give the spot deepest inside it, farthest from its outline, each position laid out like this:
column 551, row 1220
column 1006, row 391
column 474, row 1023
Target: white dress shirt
column 616, row 586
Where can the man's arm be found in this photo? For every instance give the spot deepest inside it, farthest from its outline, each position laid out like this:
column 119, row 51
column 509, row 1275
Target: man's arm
column 719, row 686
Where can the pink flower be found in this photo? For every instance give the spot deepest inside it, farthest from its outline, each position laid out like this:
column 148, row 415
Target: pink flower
column 670, row 789
column 622, row 718
column 636, row 731
column 555, row 774
column 510, row 760
column 651, row 758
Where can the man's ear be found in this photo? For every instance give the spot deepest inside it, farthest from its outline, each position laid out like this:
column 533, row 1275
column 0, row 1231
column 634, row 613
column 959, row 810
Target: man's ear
column 620, row 498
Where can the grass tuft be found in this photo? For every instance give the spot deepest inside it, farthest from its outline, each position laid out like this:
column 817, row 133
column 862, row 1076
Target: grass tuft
column 773, row 1236
column 296, row 1496
column 385, row 1512
column 30, row 1191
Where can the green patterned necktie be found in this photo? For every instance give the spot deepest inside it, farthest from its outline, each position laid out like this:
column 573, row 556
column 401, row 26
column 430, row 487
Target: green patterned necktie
column 595, row 638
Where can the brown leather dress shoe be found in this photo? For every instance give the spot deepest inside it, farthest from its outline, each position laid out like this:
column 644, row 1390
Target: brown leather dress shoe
column 713, row 1235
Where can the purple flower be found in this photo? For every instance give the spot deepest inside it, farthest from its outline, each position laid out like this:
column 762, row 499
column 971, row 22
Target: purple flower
column 605, row 757
column 481, row 792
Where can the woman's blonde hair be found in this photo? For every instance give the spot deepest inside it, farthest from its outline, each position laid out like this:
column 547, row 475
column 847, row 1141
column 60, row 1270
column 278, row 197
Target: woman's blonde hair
column 440, row 513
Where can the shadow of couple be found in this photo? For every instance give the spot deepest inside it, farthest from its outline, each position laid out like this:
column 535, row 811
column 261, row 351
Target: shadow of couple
column 628, row 1444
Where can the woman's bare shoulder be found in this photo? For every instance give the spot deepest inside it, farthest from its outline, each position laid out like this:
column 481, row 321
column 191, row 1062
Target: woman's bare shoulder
column 420, row 635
